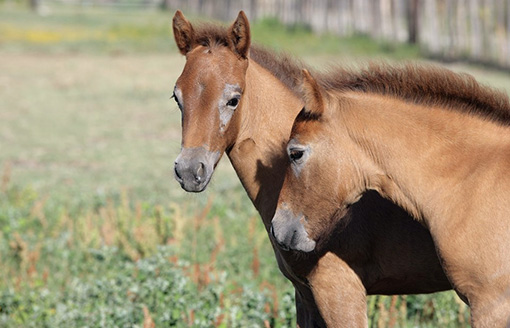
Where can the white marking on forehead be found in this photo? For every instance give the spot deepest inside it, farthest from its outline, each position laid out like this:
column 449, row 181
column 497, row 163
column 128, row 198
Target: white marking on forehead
column 230, row 91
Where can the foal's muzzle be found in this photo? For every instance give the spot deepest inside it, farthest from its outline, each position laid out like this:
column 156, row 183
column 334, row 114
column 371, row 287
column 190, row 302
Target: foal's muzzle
column 194, row 167
column 289, row 232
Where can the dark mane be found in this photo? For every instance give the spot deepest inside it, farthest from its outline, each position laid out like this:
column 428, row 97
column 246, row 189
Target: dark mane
column 423, row 84
column 416, row 83
column 284, row 67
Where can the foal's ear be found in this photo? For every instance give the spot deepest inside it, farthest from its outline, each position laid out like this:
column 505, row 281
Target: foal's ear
column 312, row 95
column 240, row 35
column 183, row 33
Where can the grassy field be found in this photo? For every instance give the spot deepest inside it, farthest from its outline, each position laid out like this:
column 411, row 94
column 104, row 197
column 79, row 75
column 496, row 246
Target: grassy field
column 94, row 231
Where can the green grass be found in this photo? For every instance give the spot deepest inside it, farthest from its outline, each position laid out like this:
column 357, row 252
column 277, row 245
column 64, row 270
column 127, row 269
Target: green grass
column 94, row 231
column 113, row 31
column 300, row 40
column 103, row 266
column 85, row 30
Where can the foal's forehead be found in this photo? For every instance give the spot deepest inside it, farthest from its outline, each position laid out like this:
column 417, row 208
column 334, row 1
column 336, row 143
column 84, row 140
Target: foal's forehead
column 210, row 68
column 303, row 131
column 218, row 59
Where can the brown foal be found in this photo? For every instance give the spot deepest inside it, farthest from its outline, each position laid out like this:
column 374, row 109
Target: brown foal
column 433, row 141
column 242, row 101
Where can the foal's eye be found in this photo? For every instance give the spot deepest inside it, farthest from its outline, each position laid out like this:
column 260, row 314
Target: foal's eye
column 296, row 154
column 233, row 102
column 176, row 100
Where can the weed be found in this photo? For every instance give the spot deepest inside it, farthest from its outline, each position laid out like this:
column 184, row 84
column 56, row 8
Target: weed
column 93, row 229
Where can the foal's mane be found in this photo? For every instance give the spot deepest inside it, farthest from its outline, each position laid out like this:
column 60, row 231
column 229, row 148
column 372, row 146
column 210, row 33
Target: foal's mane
column 423, row 84
column 415, row 83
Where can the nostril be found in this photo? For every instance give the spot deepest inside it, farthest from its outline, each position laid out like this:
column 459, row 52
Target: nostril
column 200, row 172
column 176, row 171
column 281, row 244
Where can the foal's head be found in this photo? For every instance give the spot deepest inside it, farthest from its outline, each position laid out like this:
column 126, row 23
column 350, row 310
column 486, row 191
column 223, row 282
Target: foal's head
column 322, row 179
column 209, row 94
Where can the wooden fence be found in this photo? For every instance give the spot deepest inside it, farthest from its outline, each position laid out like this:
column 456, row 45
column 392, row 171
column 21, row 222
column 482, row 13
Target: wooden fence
column 477, row 30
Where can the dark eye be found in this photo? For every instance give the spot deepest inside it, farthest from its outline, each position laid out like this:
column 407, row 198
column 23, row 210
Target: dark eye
column 233, row 102
column 296, row 154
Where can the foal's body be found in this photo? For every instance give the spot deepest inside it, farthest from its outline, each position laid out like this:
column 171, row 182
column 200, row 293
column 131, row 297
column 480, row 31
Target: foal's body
column 453, row 171
column 382, row 250
column 444, row 163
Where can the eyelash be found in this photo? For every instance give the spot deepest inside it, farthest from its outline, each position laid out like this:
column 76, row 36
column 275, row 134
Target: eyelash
column 176, row 100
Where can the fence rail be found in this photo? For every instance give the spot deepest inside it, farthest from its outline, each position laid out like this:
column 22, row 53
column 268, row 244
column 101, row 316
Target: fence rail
column 477, row 30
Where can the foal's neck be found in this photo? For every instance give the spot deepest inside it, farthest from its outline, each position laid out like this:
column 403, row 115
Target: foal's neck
column 426, row 159
column 258, row 155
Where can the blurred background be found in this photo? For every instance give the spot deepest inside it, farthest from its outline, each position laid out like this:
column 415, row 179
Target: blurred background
column 95, row 232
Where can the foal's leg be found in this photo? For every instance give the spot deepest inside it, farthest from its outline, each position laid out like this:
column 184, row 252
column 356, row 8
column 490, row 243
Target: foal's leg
column 339, row 293
column 491, row 309
column 308, row 315
column 307, row 312
column 476, row 260
column 478, row 270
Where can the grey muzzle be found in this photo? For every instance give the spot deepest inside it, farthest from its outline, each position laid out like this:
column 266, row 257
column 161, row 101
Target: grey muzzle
column 289, row 232
column 194, row 167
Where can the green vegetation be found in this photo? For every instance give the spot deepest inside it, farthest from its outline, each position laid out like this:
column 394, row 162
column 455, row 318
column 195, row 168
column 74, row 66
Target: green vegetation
column 119, row 265
column 300, row 40
column 116, row 31
column 94, row 231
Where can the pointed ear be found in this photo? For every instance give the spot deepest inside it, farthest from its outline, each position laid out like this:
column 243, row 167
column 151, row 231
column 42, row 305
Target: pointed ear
column 183, row 33
column 240, row 35
column 312, row 95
